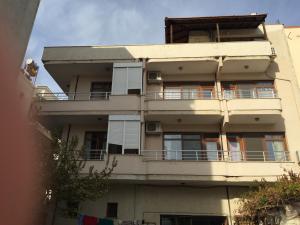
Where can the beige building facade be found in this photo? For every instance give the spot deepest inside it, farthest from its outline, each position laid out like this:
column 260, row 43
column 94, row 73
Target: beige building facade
column 193, row 122
column 293, row 39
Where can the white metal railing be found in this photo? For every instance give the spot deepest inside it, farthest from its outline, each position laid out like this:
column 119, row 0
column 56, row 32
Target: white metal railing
column 250, row 93
column 94, row 154
column 73, row 96
column 180, row 95
column 215, row 155
column 161, row 95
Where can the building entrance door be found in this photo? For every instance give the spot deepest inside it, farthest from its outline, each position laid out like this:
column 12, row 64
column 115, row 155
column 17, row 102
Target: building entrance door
column 192, row 220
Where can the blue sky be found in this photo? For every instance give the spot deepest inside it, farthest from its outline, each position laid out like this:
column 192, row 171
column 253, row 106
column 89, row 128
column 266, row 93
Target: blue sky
column 107, row 22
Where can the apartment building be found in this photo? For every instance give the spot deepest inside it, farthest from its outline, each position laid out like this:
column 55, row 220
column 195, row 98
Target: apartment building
column 293, row 39
column 192, row 122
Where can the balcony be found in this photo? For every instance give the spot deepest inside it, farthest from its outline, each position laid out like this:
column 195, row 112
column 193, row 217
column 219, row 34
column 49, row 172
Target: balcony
column 83, row 103
column 189, row 102
column 215, row 155
column 210, row 166
column 245, row 56
column 252, row 106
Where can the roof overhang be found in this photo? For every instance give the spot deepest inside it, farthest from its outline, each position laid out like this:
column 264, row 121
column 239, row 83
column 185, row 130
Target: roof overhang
column 63, row 73
column 184, row 65
column 181, row 26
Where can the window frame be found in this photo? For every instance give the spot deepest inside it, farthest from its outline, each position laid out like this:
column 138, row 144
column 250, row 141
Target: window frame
column 204, row 137
column 108, row 209
column 92, row 91
column 87, row 151
column 234, row 86
column 240, row 137
column 199, row 86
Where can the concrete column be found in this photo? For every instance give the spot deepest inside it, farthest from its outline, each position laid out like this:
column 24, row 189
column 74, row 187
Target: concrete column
column 142, row 105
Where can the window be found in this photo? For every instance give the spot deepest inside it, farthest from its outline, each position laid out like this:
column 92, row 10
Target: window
column 124, row 134
column 257, row 147
column 127, row 78
column 95, row 145
column 100, row 90
column 189, row 90
column 112, row 210
column 263, row 89
column 193, row 146
column 114, row 149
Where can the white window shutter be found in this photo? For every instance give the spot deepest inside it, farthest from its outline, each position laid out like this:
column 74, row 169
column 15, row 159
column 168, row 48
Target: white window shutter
column 135, row 77
column 132, row 135
column 124, row 130
column 119, row 81
column 126, row 76
column 115, row 132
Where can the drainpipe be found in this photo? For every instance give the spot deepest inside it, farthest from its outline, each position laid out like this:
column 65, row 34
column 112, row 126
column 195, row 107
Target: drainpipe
column 223, row 107
column 68, row 134
column 75, row 89
column 229, row 206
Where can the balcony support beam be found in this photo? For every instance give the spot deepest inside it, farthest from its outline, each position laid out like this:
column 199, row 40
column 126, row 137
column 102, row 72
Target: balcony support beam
column 218, row 32
column 265, row 31
column 171, row 33
column 217, row 77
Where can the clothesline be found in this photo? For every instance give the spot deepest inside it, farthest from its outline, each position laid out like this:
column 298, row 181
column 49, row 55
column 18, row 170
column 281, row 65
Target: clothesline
column 91, row 220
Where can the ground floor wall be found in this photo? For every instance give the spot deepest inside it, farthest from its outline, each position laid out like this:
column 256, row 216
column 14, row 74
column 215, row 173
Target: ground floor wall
column 147, row 203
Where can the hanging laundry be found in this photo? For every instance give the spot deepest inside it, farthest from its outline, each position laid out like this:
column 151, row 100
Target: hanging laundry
column 106, row 222
column 80, row 219
column 90, row 220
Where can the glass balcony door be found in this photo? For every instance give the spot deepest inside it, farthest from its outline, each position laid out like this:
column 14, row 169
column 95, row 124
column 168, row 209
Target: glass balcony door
column 95, row 145
column 173, row 147
column 191, row 146
column 257, row 147
column 100, row 90
column 188, row 91
column 248, row 90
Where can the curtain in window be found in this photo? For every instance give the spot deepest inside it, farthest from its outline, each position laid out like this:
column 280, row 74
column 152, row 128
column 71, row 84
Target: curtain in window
column 265, row 92
column 276, row 151
column 173, row 149
column 212, row 150
column 172, row 93
column 235, row 151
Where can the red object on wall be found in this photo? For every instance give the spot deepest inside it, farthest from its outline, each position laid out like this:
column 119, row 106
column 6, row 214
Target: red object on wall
column 90, row 220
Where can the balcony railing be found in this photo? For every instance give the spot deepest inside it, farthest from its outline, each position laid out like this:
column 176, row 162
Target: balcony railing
column 199, row 155
column 254, row 93
column 250, row 93
column 94, row 154
column 215, row 155
column 191, row 94
column 73, row 96
column 162, row 95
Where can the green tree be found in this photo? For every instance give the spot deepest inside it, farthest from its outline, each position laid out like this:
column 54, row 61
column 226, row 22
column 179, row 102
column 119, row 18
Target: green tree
column 64, row 181
column 266, row 201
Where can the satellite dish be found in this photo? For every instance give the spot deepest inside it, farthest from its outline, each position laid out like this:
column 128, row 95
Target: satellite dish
column 29, row 61
column 31, row 67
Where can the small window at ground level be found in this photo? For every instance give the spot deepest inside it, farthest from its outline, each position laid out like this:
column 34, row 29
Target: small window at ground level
column 112, row 210
column 114, row 149
column 134, row 91
column 131, row 151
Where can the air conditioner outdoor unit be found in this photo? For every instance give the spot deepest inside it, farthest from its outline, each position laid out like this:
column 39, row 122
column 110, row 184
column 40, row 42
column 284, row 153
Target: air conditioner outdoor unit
column 153, row 127
column 154, row 77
